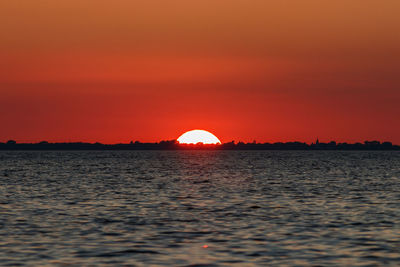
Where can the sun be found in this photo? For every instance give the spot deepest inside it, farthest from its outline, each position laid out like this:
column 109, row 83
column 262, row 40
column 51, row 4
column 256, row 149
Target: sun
column 198, row 136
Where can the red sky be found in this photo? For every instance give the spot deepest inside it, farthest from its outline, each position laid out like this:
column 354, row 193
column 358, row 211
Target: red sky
column 122, row 70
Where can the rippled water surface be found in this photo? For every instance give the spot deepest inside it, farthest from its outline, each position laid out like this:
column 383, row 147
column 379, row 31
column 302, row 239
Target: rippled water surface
column 216, row 208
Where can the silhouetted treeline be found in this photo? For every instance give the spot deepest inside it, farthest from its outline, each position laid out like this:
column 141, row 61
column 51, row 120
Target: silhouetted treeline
column 173, row 145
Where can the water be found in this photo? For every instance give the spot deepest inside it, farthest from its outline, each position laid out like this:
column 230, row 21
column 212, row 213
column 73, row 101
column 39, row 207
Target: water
column 212, row 208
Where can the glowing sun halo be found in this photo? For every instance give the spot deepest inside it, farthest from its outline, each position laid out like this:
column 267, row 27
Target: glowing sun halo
column 198, row 136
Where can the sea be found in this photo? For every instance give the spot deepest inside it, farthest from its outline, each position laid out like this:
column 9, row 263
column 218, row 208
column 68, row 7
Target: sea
column 200, row 208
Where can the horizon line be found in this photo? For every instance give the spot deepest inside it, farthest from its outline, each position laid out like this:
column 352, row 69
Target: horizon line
column 174, row 141
column 233, row 143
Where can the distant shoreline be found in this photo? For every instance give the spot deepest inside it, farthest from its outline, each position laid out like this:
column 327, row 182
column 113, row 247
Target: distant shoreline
column 173, row 145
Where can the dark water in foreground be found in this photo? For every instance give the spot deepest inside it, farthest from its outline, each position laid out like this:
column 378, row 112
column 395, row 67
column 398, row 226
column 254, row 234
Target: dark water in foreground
column 144, row 208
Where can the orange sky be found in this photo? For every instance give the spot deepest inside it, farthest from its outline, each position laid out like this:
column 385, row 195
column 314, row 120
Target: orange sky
column 121, row 70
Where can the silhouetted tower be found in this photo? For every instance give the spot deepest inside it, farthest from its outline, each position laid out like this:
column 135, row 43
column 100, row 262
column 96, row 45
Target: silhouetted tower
column 317, row 142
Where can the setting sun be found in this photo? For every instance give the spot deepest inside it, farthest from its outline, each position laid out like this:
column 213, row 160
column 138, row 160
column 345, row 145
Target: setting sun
column 198, row 136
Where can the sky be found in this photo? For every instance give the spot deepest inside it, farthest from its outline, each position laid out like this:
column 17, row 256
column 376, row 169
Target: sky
column 149, row 70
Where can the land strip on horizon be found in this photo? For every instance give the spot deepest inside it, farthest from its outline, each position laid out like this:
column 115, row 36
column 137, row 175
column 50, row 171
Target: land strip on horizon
column 174, row 145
